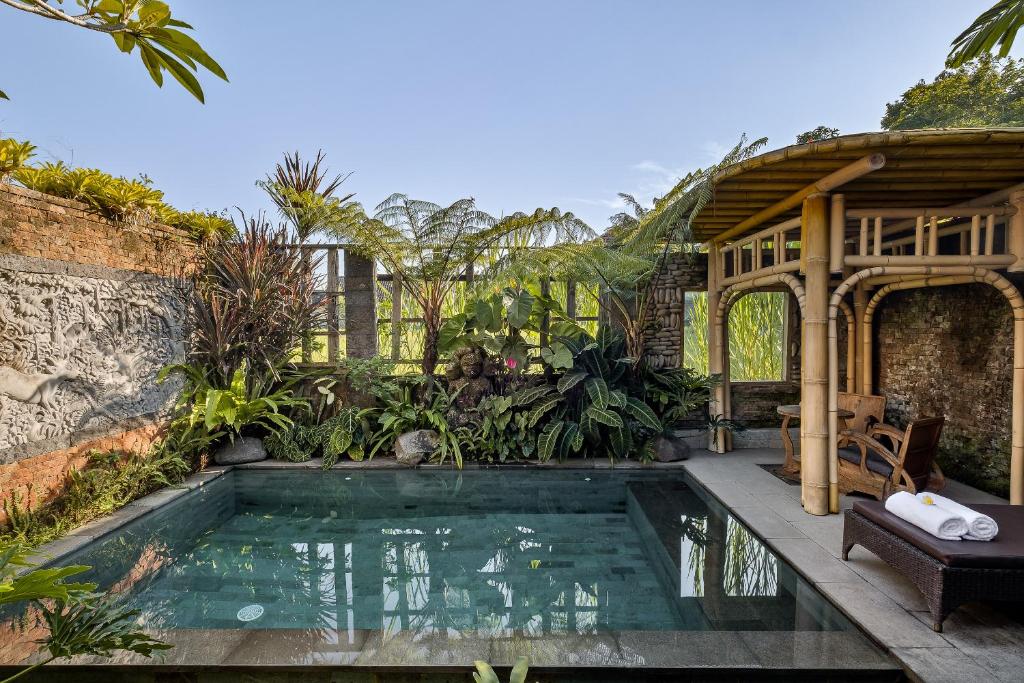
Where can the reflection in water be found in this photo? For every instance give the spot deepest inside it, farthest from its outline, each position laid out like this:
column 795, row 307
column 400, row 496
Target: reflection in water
column 433, row 556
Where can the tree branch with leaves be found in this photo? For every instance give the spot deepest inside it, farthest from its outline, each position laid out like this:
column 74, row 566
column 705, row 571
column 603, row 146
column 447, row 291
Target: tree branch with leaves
column 144, row 24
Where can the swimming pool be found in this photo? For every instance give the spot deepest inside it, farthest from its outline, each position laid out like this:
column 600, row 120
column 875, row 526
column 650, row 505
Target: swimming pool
column 439, row 568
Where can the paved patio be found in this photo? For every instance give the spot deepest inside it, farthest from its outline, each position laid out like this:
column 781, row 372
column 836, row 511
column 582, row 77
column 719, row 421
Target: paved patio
column 978, row 643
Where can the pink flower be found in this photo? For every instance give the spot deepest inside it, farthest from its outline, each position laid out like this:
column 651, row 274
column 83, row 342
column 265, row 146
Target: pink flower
column 511, row 363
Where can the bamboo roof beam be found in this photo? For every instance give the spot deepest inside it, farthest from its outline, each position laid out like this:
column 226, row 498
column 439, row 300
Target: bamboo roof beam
column 862, row 166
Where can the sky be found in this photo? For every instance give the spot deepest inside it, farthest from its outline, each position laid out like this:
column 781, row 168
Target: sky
column 517, row 104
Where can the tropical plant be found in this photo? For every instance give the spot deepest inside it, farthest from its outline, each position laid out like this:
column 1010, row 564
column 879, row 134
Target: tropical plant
column 624, row 267
column 500, row 323
column 204, row 225
column 997, row 25
column 596, row 406
column 816, row 134
column 114, row 197
column 981, row 93
column 504, row 428
column 347, row 433
column 485, row 674
column 243, row 406
column 428, row 247
column 80, row 621
column 255, row 301
column 146, row 24
column 109, row 481
column 418, row 403
column 304, row 195
column 14, row 154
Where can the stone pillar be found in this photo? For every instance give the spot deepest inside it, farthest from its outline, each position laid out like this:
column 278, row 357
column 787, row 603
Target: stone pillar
column 814, row 247
column 360, row 306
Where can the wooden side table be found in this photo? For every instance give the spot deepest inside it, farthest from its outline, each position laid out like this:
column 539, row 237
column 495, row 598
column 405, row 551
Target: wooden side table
column 791, row 412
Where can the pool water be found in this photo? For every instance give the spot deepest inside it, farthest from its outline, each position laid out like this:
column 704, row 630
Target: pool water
column 492, row 552
column 330, row 557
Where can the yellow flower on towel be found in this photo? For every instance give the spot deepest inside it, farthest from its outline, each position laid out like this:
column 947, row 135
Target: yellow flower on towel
column 928, row 500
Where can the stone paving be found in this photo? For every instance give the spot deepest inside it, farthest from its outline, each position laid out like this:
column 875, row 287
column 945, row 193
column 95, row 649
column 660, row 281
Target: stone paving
column 978, row 643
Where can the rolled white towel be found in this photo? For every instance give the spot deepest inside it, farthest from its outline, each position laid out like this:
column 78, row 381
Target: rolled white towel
column 949, row 526
column 979, row 527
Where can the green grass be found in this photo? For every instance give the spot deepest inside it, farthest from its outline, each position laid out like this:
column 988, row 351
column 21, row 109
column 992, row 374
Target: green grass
column 757, row 336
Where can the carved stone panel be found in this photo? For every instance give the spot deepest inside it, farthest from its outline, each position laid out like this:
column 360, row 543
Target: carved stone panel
column 80, row 349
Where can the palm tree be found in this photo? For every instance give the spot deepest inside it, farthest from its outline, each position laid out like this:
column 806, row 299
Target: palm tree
column 304, row 195
column 428, row 246
column 997, row 25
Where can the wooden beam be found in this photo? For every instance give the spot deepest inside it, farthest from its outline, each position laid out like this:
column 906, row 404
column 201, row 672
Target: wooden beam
column 861, row 167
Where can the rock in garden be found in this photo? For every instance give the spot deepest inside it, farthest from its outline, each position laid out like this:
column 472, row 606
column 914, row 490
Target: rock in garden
column 670, row 450
column 412, row 448
column 241, row 450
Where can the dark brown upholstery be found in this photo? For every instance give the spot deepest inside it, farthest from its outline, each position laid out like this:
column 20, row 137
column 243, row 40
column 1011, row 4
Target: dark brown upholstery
column 875, row 463
column 1006, row 551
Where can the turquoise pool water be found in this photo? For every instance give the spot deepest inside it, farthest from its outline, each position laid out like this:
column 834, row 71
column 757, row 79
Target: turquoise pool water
column 608, row 574
column 495, row 553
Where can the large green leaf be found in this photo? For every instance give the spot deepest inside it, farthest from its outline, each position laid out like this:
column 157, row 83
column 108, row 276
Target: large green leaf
column 558, row 356
column 604, row 416
column 541, row 408
column 616, row 399
column 450, row 333
column 548, row 439
column 570, row 379
column 621, row 440
column 519, row 309
column 527, row 396
column 597, row 390
column 643, row 413
column 572, row 440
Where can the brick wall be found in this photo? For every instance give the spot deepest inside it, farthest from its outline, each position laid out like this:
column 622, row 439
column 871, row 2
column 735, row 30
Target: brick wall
column 38, row 225
column 948, row 351
column 87, row 309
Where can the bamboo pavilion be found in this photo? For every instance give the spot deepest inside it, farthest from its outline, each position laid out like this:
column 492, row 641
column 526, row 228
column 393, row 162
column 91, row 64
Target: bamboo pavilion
column 846, row 221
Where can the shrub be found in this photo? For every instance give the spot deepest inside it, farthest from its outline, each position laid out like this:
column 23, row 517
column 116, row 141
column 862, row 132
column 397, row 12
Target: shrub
column 110, row 481
column 114, row 197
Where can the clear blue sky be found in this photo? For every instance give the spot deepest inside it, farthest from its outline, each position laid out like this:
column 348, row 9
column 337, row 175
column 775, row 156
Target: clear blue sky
column 518, row 104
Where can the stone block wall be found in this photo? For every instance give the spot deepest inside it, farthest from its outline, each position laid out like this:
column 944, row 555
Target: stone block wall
column 682, row 273
column 949, row 351
column 90, row 310
column 754, row 403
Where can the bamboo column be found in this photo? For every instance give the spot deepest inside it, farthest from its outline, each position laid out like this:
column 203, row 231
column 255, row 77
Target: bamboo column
column 837, row 233
column 716, row 442
column 814, row 389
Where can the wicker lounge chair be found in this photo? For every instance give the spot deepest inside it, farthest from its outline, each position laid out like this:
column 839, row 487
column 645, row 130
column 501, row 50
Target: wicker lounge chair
column 868, row 466
column 948, row 573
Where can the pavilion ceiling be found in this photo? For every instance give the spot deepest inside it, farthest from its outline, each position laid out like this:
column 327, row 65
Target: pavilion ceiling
column 923, row 168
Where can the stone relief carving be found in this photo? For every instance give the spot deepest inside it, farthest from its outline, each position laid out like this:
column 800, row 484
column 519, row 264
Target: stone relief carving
column 80, row 352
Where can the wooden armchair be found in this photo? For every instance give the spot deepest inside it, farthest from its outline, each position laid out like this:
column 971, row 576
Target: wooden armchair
column 867, row 410
column 868, row 466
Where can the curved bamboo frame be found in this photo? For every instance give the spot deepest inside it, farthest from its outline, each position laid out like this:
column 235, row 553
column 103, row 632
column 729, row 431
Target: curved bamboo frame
column 851, row 347
column 919, row 277
column 722, row 399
